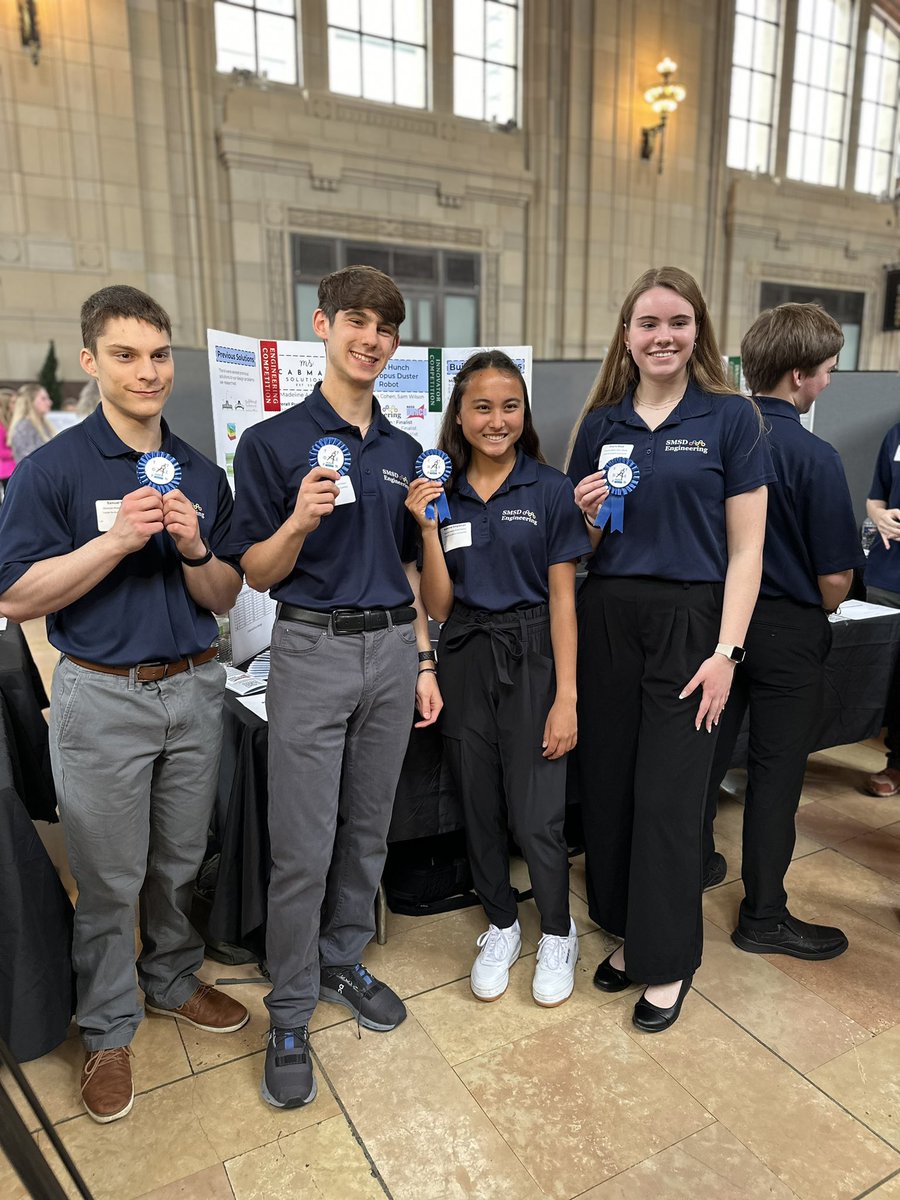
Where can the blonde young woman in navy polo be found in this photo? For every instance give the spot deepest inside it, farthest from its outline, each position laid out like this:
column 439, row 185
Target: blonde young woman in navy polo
column 500, row 572
column 662, row 619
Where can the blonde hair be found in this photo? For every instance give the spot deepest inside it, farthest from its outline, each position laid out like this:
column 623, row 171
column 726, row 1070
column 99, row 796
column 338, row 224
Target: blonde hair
column 7, row 396
column 618, row 372
column 23, row 410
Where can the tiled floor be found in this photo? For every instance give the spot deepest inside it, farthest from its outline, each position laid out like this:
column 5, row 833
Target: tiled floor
column 781, row 1079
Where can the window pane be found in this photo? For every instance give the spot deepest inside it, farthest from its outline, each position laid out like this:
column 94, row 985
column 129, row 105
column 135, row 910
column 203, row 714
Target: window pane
column 743, row 41
column 840, row 64
column 884, row 130
column 737, row 145
column 460, row 321
column 276, row 49
column 806, row 21
column 377, row 70
column 500, row 33
column 499, row 93
column 768, row 10
column 763, row 95
column 376, row 17
column 765, row 47
column 285, row 7
column 889, row 81
column 468, row 88
column 863, row 170
column 424, row 321
column 834, row 119
column 795, row 156
column 409, row 75
column 344, row 71
column 344, row 12
column 235, row 39
column 740, row 92
column 409, row 20
column 758, row 148
column 831, row 164
column 867, row 114
column 840, row 30
column 468, row 27
column 306, row 301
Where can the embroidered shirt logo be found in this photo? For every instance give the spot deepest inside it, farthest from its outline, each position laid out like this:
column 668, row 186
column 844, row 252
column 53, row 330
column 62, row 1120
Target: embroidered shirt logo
column 697, row 445
column 395, row 477
column 519, row 514
column 199, row 511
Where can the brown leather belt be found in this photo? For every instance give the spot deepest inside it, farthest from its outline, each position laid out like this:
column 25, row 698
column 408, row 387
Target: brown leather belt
column 149, row 672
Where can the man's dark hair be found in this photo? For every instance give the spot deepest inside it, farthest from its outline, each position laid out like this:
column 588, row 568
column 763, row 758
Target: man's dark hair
column 800, row 336
column 362, row 287
column 119, row 300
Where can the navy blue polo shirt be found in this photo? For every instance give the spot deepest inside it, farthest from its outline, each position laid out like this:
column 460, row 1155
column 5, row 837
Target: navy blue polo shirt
column 63, row 496
column 810, row 526
column 529, row 524
column 709, row 448
column 883, row 566
column 355, row 558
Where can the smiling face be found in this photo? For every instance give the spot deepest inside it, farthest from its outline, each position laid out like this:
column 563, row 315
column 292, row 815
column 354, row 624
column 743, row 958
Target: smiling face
column 358, row 345
column 660, row 335
column 42, row 402
column 810, row 384
column 492, row 414
column 134, row 371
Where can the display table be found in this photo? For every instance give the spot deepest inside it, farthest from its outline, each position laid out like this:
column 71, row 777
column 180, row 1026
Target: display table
column 36, row 992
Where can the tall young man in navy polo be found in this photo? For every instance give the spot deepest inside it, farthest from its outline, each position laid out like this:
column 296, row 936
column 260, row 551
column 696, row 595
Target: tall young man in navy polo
column 811, row 549
column 128, row 576
column 337, row 549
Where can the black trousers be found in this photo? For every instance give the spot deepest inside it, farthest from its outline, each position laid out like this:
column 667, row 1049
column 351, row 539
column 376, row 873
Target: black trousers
column 782, row 682
column 641, row 766
column 498, row 683
column 892, row 706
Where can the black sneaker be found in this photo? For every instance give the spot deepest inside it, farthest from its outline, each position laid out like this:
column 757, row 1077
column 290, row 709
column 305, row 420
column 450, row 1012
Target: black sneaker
column 794, row 937
column 715, row 870
column 372, row 1002
column 288, row 1080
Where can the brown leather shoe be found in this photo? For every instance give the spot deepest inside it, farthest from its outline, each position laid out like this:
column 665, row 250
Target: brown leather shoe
column 885, row 783
column 106, row 1086
column 208, row 1009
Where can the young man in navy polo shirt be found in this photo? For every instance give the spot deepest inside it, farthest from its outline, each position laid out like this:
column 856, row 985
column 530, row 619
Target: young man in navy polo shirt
column 128, row 576
column 811, row 549
column 337, row 549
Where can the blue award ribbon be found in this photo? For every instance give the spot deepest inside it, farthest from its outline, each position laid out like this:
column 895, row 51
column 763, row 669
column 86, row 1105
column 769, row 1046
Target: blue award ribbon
column 436, row 466
column 332, row 453
column 622, row 477
column 159, row 470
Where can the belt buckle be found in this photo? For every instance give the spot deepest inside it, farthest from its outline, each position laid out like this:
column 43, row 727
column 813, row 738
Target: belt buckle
column 342, row 621
column 159, row 665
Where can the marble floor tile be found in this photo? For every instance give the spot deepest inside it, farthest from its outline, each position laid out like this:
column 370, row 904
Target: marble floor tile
column 829, row 878
column 426, row 1134
column 867, row 1082
column 798, row 1025
column 840, row 788
column 711, row 1163
column 463, row 1027
column 825, row 825
column 581, row 1102
column 863, row 757
column 322, row 1162
column 184, row 1128
column 893, row 830
column 211, row 1184
column 802, row 1136
column 878, row 850
column 889, row 1190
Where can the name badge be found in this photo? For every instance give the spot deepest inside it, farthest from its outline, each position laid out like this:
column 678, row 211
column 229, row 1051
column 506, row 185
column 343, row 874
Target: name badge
column 106, row 513
column 455, row 537
column 346, row 494
column 897, row 454
column 613, row 450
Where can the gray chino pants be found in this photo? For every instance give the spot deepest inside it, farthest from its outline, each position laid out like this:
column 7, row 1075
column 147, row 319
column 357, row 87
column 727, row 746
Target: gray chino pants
column 136, row 767
column 340, row 711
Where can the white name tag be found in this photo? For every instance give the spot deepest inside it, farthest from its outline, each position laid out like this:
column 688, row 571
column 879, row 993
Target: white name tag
column 897, row 454
column 106, row 513
column 346, row 494
column 613, row 450
column 454, row 537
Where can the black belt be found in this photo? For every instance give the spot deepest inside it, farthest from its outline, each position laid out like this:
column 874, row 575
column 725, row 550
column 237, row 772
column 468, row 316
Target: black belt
column 349, row 620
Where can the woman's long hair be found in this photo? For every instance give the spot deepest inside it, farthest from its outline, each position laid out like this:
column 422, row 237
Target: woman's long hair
column 23, row 410
column 619, row 372
column 451, row 439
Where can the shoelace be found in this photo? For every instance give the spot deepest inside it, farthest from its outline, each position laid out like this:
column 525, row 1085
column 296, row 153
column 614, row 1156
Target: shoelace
column 296, row 1040
column 361, row 973
column 494, row 944
column 198, row 996
column 553, row 951
column 93, row 1064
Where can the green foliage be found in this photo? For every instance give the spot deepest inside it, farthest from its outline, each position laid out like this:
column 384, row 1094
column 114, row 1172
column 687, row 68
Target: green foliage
column 49, row 379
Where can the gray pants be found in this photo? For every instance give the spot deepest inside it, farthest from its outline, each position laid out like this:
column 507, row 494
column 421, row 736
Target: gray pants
column 135, row 766
column 340, row 711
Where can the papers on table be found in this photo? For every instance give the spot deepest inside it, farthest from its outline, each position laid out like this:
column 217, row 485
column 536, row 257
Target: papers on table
column 256, row 704
column 861, row 610
column 242, row 683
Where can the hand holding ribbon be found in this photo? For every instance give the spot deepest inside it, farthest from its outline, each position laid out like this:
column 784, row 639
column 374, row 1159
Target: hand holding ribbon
column 622, row 477
column 436, row 466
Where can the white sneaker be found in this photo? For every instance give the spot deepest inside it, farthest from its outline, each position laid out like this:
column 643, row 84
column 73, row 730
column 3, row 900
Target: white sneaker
column 554, row 968
column 490, row 971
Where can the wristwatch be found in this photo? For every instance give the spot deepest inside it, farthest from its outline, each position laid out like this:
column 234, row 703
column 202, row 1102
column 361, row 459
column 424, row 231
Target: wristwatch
column 737, row 654
column 198, row 562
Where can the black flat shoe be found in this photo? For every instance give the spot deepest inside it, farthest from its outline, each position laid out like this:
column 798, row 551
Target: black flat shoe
column 795, row 937
column 609, row 979
column 654, row 1020
column 715, row 870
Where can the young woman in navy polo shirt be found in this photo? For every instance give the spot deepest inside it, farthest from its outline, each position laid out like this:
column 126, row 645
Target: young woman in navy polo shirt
column 662, row 619
column 501, row 574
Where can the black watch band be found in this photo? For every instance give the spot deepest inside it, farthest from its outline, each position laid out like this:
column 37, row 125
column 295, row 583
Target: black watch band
column 198, row 562
column 427, row 656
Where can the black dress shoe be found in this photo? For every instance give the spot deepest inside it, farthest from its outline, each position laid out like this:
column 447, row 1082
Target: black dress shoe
column 651, row 1019
column 794, row 937
column 609, row 979
column 715, row 870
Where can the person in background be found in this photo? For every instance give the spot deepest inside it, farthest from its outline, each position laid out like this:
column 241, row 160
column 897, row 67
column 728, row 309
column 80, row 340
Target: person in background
column 501, row 574
column 680, row 465
column 811, row 549
column 7, row 462
column 28, row 426
column 883, row 587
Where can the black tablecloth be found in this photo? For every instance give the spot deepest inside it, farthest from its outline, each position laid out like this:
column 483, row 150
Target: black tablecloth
column 36, row 986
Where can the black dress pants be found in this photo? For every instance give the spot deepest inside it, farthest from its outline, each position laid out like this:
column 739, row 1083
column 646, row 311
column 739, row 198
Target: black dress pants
column 498, row 683
column 642, row 767
column 782, row 681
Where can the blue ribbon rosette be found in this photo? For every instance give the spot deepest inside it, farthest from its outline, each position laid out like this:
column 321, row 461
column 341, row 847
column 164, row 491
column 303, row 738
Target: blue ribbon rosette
column 159, row 470
column 332, row 453
column 436, row 466
column 622, row 477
